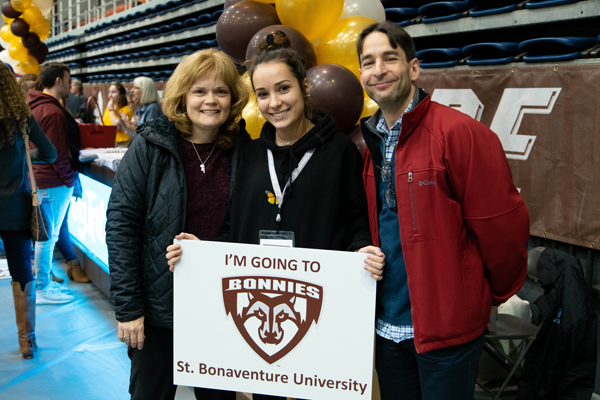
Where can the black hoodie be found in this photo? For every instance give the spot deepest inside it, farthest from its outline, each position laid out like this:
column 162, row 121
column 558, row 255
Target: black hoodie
column 325, row 206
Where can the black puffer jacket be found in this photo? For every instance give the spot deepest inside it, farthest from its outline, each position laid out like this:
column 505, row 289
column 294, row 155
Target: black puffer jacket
column 145, row 212
column 561, row 363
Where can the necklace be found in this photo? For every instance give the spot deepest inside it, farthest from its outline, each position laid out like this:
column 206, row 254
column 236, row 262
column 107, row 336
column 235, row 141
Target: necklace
column 202, row 163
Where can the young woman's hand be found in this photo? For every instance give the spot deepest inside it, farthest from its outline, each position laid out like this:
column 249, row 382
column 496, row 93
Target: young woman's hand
column 174, row 251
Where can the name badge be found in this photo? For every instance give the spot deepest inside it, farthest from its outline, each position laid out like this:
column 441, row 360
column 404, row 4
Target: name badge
column 277, row 238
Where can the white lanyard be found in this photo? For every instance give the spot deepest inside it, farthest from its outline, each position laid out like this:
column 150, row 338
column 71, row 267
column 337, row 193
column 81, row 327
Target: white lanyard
column 275, row 182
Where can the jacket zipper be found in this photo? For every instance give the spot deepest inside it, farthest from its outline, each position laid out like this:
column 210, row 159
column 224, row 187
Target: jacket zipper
column 412, row 201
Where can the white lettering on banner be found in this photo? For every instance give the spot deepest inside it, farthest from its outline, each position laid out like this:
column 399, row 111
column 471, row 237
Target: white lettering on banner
column 515, row 103
column 463, row 100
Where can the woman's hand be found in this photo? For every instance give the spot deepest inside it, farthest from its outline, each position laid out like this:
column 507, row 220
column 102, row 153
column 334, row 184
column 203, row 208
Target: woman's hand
column 174, row 250
column 374, row 262
column 132, row 333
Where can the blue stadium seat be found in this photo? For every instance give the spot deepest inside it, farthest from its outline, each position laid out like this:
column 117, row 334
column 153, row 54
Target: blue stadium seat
column 401, row 15
column 547, row 3
column 490, row 7
column 491, row 53
column 190, row 22
column 555, row 49
column 176, row 27
column 205, row 20
column 440, row 57
column 216, row 15
column 154, row 32
column 442, row 11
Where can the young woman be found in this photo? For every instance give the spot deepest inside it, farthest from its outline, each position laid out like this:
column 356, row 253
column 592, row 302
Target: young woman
column 175, row 176
column 15, row 196
column 325, row 206
column 117, row 105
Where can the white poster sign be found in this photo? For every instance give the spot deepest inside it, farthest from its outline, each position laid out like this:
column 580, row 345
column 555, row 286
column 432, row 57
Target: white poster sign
column 281, row 321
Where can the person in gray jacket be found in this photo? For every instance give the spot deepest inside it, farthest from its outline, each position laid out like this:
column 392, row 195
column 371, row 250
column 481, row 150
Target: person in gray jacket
column 15, row 230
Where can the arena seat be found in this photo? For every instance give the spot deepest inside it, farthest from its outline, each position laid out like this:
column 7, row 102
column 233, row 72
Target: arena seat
column 401, row 15
column 555, row 48
column 547, row 3
column 439, row 57
column 442, row 11
column 492, row 53
column 491, row 7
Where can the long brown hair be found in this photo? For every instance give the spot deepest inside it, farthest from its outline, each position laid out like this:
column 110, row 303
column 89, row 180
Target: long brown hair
column 209, row 61
column 13, row 107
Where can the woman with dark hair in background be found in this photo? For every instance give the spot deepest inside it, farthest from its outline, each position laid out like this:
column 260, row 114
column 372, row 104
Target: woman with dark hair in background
column 117, row 105
column 175, row 176
column 15, row 195
column 317, row 170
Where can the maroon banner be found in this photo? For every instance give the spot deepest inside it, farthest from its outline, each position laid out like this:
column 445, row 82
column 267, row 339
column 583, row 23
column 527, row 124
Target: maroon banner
column 548, row 120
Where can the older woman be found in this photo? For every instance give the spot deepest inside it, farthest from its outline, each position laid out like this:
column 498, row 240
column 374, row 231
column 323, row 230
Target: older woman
column 16, row 120
column 143, row 93
column 174, row 177
column 117, row 105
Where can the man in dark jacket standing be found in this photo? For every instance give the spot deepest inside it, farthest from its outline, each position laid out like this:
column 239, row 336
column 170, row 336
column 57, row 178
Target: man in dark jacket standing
column 444, row 210
column 55, row 180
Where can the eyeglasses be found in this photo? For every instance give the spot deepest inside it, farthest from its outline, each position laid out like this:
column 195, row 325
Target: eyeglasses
column 386, row 177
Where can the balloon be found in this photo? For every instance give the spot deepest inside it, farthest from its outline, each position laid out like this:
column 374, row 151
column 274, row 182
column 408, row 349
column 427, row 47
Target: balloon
column 229, row 3
column 9, row 11
column 42, row 29
column 6, row 58
column 40, row 53
column 358, row 139
column 20, row 5
column 31, row 41
column 7, row 35
column 253, row 117
column 32, row 15
column 30, row 65
column 239, row 23
column 300, row 43
column 17, row 51
column 46, row 11
column 369, row 108
column 364, row 8
column 41, row 4
column 7, row 20
column 334, row 88
column 311, row 17
column 339, row 44
column 19, row 27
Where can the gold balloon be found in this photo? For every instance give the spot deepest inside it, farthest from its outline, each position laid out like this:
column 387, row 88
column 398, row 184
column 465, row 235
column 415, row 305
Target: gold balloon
column 313, row 18
column 42, row 29
column 338, row 46
column 20, row 5
column 7, row 35
column 7, row 20
column 17, row 51
column 30, row 65
column 33, row 15
column 253, row 117
column 369, row 108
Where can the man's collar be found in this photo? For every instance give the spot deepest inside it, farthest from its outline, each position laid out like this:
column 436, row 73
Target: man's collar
column 372, row 122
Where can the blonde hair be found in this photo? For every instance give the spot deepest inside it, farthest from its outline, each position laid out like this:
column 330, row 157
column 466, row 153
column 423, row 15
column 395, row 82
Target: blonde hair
column 13, row 107
column 204, row 62
column 148, row 88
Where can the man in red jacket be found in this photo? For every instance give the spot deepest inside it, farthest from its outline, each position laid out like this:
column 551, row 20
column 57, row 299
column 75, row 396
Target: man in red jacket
column 55, row 180
column 444, row 210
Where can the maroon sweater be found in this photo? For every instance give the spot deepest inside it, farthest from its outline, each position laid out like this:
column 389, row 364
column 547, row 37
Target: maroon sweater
column 207, row 193
column 49, row 115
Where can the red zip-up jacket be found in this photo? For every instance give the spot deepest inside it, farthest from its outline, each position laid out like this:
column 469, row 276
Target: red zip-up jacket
column 463, row 225
column 49, row 114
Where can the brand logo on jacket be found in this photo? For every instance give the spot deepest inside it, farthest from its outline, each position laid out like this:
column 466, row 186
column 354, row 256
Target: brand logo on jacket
column 427, row 183
column 272, row 314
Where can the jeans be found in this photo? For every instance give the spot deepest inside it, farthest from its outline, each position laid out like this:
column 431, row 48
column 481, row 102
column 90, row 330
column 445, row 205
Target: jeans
column 64, row 239
column 18, row 254
column 60, row 198
column 448, row 373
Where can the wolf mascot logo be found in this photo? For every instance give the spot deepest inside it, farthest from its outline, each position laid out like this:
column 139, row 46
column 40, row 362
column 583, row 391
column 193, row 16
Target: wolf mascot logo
column 272, row 314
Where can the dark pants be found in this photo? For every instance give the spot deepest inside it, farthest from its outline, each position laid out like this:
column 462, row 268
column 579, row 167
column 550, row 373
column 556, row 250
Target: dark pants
column 152, row 370
column 64, row 240
column 17, row 245
column 449, row 373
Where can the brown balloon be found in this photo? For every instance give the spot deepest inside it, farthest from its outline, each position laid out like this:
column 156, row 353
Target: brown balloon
column 229, row 3
column 299, row 41
column 9, row 11
column 336, row 89
column 31, row 41
column 40, row 53
column 239, row 23
column 19, row 27
column 358, row 140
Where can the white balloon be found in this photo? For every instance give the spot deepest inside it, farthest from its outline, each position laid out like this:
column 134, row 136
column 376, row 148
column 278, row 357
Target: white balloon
column 42, row 4
column 5, row 58
column 46, row 11
column 364, row 8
